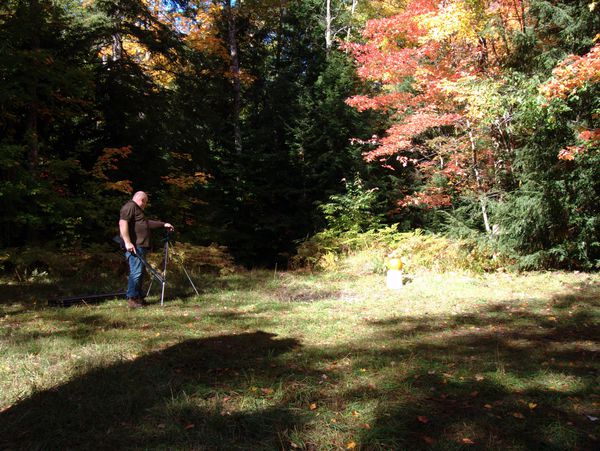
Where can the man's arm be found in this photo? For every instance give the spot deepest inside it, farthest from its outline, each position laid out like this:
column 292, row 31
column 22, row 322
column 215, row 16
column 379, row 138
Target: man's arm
column 124, row 230
column 156, row 224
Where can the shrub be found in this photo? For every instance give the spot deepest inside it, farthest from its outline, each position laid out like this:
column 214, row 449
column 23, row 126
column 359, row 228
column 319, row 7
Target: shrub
column 213, row 259
column 367, row 251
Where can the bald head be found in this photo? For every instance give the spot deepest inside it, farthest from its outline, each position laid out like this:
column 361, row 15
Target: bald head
column 140, row 198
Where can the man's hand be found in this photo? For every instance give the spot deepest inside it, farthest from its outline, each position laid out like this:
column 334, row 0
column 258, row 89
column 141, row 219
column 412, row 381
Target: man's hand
column 130, row 247
column 169, row 227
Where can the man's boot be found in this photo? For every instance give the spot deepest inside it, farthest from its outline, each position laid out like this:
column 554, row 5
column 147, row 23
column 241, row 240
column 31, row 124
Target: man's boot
column 134, row 303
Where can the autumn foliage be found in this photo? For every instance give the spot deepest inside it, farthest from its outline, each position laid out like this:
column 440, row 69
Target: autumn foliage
column 418, row 62
column 569, row 76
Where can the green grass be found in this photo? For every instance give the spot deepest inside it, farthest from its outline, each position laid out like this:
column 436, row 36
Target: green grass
column 293, row 360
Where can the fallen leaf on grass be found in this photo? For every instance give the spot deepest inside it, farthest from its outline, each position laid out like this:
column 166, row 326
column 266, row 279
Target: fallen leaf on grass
column 429, row 440
column 267, row 391
column 532, row 405
column 351, row 445
column 519, row 415
column 488, row 406
column 313, row 406
column 366, row 426
column 161, row 426
column 190, row 426
column 468, row 441
column 423, row 419
column 355, row 413
column 479, row 378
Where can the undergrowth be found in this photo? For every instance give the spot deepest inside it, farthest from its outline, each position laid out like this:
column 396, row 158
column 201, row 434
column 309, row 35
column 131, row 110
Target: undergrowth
column 367, row 251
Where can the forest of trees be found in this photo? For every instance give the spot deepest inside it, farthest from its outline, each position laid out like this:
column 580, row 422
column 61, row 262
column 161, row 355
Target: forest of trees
column 255, row 123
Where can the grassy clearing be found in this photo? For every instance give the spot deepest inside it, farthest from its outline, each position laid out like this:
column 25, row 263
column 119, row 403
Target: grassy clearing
column 265, row 360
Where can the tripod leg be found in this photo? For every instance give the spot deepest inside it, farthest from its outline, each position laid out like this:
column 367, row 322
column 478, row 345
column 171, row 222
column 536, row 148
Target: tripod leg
column 190, row 279
column 149, row 287
column 162, row 294
column 166, row 256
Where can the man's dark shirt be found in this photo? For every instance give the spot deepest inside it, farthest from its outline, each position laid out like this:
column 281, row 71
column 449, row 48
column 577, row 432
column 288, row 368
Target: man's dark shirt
column 139, row 226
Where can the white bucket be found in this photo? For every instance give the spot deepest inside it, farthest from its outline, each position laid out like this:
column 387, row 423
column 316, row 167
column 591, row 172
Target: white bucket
column 393, row 279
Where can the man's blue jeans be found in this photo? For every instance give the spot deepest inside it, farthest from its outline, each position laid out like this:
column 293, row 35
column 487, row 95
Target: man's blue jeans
column 136, row 273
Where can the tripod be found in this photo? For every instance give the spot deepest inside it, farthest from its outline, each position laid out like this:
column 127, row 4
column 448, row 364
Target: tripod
column 162, row 279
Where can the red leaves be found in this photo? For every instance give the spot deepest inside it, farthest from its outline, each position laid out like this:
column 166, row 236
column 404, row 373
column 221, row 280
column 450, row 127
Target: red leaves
column 416, row 66
column 572, row 73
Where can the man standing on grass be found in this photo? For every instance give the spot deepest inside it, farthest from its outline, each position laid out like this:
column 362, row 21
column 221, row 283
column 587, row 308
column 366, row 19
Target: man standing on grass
column 134, row 229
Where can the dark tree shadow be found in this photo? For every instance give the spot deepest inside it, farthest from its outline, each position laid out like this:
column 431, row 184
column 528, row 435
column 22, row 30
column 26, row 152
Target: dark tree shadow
column 522, row 402
column 141, row 404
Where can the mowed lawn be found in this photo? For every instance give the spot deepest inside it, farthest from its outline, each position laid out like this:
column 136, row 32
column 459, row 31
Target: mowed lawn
column 293, row 360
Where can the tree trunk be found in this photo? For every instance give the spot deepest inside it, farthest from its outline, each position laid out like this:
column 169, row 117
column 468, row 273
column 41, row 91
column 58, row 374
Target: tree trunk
column 479, row 181
column 31, row 135
column 117, row 47
column 235, row 73
column 328, row 25
column 32, row 131
column 352, row 11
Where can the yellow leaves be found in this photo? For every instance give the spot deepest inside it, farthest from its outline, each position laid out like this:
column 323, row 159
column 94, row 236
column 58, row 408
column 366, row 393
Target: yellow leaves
column 313, row 406
column 455, row 20
column 351, row 445
column 479, row 97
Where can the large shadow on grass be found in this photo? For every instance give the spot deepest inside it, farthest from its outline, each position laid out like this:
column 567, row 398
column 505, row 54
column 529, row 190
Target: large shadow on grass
column 170, row 399
column 505, row 377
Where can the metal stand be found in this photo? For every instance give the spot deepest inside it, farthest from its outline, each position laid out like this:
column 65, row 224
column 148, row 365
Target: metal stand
column 163, row 279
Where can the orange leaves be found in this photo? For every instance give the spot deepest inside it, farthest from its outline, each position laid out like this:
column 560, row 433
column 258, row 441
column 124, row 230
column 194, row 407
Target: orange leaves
column 415, row 61
column 108, row 161
column 400, row 136
column 430, row 198
column 590, row 135
column 184, row 182
column 423, row 419
column 573, row 73
column 590, row 138
column 124, row 186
